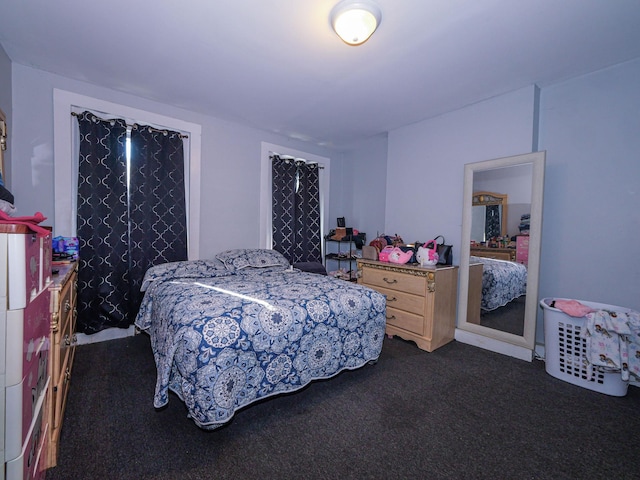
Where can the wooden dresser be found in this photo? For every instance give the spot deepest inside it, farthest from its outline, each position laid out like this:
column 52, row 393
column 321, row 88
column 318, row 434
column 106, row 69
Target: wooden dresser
column 497, row 253
column 63, row 344
column 421, row 302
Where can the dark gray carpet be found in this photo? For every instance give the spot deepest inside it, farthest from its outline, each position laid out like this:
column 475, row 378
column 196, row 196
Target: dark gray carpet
column 457, row 413
column 509, row 318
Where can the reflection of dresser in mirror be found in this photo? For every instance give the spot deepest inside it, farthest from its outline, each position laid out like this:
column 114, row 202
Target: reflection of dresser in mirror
column 474, row 300
column 508, row 254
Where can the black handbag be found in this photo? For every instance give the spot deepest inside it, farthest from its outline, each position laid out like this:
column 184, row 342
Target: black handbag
column 445, row 252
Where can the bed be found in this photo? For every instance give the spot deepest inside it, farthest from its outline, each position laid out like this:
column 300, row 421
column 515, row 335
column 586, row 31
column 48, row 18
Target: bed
column 502, row 282
column 245, row 326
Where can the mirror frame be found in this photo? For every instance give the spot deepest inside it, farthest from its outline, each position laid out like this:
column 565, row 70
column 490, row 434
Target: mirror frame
column 484, row 337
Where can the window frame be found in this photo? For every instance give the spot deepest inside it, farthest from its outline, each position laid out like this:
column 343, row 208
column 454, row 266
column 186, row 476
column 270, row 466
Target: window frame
column 66, row 153
column 267, row 149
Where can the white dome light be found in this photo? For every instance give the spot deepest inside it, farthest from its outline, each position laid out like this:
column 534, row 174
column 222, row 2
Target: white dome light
column 355, row 21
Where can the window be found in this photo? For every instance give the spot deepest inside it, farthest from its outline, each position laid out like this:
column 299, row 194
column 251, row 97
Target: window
column 66, row 154
column 267, row 150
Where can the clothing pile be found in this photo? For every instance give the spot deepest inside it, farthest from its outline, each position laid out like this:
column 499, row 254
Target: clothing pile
column 613, row 341
column 612, row 338
column 524, row 224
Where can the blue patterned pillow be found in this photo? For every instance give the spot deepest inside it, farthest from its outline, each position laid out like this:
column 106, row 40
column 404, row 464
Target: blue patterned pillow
column 252, row 258
column 184, row 269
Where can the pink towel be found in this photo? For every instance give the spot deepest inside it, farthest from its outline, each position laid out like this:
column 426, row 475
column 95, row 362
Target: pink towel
column 572, row 307
column 31, row 222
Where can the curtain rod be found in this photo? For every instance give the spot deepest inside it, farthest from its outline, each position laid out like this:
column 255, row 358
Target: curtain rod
column 289, row 157
column 136, row 125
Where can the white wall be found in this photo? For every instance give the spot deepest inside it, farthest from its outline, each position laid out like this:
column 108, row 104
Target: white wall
column 6, row 107
column 590, row 127
column 425, row 164
column 364, row 186
column 230, row 175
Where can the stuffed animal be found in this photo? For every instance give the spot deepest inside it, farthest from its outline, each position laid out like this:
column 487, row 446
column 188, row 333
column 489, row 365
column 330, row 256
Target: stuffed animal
column 427, row 254
column 398, row 256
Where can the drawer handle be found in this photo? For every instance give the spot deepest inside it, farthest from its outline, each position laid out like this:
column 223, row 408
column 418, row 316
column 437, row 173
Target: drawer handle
column 390, row 282
column 392, row 317
column 67, row 340
column 67, row 306
column 392, row 299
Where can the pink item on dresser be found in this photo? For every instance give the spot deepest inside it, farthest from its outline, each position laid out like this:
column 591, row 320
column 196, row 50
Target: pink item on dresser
column 30, row 222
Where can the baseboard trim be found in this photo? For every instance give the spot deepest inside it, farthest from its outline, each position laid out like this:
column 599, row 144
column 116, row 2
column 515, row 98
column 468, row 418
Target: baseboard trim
column 105, row 335
column 493, row 345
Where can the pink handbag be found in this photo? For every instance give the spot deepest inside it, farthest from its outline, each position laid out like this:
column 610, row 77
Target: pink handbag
column 384, row 253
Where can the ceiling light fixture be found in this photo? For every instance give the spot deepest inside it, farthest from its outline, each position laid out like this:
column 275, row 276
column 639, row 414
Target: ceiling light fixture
column 355, row 20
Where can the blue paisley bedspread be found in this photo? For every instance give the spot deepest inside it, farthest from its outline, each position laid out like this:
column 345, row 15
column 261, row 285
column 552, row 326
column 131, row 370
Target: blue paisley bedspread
column 502, row 282
column 222, row 340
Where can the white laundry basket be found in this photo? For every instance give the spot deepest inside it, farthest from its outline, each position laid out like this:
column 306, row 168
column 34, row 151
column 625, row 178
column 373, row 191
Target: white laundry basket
column 565, row 350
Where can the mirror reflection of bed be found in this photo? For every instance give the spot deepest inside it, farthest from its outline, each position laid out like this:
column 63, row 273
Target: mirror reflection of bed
column 497, row 263
column 508, row 315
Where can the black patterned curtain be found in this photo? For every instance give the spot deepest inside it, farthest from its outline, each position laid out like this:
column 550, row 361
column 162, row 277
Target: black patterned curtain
column 493, row 227
column 122, row 232
column 103, row 271
column 157, row 212
column 307, row 242
column 296, row 209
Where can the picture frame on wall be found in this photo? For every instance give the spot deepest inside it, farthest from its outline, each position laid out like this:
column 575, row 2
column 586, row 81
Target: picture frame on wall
column 341, row 222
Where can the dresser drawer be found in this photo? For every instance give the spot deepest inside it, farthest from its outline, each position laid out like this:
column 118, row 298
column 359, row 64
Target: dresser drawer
column 31, row 462
column 24, row 269
column 407, row 321
column 498, row 255
column 64, row 344
column 26, row 328
column 66, row 307
column 403, row 301
column 22, row 401
column 394, row 281
column 60, row 389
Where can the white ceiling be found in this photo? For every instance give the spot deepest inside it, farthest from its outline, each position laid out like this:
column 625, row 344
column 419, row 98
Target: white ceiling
column 277, row 64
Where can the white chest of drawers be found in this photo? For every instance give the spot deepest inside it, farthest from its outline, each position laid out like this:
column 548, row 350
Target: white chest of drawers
column 25, row 322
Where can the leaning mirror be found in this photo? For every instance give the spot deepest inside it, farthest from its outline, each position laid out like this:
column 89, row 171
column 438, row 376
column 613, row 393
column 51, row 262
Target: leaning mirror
column 500, row 254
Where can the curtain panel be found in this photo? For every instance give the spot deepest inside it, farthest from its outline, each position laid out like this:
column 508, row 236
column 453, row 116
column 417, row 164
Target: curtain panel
column 126, row 222
column 296, row 209
column 493, row 226
column 157, row 210
column 103, row 272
